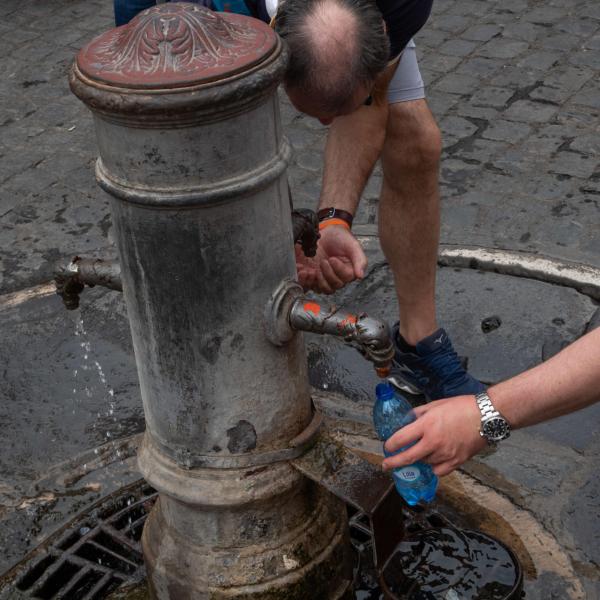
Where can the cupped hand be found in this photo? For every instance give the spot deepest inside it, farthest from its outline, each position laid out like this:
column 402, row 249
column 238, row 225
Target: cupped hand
column 339, row 260
column 445, row 435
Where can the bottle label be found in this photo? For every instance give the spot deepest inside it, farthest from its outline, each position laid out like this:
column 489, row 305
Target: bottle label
column 408, row 474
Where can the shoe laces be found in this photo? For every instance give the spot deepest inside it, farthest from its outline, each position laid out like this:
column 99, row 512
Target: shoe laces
column 444, row 362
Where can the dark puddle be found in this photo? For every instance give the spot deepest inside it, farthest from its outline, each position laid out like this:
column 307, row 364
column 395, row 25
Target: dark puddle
column 443, row 564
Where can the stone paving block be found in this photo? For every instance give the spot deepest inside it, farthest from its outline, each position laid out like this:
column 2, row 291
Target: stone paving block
column 547, row 15
column 551, row 95
column 310, row 161
column 466, row 109
column 482, row 151
column 518, row 162
column 491, row 96
column 512, row 76
column 440, row 103
column 481, row 67
column 468, row 8
column 458, row 47
column 481, row 33
column 506, row 131
column 454, row 83
column 578, row 26
column 561, row 41
column 440, row 62
column 429, row 77
column 502, row 48
column 456, row 128
column 586, row 58
column 568, row 77
column 530, row 112
column 528, row 32
column 452, row 23
column 540, row 60
column 511, row 7
column 433, row 39
column 592, row 43
column 590, row 9
column 588, row 143
column 589, row 95
column 574, row 164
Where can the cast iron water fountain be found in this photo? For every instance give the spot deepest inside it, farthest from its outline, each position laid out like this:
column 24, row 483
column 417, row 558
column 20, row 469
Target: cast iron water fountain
column 193, row 158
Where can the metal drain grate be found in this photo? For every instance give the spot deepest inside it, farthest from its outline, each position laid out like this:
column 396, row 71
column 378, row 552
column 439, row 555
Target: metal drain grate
column 93, row 555
column 100, row 550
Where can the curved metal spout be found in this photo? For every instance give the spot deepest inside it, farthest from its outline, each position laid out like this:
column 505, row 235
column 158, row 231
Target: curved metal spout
column 288, row 310
column 71, row 279
column 370, row 336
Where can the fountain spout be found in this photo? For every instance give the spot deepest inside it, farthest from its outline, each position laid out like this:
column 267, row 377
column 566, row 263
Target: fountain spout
column 288, row 310
column 370, row 336
column 71, row 279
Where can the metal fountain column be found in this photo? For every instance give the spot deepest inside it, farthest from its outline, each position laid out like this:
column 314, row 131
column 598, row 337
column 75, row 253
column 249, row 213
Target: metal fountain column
column 193, row 157
column 192, row 154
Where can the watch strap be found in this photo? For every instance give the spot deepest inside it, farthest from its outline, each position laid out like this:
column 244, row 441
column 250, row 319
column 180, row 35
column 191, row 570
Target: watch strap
column 335, row 213
column 486, row 408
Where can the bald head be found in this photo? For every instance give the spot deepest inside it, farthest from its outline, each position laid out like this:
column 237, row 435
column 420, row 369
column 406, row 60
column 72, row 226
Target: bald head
column 336, row 47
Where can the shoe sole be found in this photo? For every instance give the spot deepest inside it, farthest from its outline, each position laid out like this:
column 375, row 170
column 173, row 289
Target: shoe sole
column 404, row 386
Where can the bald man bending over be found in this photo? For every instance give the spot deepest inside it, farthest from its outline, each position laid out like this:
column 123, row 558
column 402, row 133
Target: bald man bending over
column 353, row 66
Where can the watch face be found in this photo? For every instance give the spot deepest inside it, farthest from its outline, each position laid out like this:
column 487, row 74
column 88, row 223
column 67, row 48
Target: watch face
column 496, row 429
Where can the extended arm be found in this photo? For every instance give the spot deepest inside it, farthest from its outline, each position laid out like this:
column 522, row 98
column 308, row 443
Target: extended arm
column 447, row 431
column 353, row 146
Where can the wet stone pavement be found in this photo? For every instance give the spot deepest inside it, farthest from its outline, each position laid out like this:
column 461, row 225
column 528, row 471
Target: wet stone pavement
column 514, row 85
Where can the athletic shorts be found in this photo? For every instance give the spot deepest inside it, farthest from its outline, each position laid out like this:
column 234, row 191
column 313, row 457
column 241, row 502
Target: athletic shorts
column 407, row 83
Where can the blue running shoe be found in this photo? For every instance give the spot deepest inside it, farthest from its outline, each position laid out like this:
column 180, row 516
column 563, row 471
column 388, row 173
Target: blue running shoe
column 434, row 370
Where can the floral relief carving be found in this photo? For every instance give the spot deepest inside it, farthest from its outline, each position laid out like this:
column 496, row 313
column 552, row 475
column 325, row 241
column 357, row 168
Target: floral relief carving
column 176, row 38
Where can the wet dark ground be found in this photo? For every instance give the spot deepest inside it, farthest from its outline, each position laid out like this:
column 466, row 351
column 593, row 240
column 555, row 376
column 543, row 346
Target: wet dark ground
column 58, row 406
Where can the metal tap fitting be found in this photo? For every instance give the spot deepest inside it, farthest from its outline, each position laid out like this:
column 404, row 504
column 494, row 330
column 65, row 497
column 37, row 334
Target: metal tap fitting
column 71, row 279
column 288, row 310
column 370, row 336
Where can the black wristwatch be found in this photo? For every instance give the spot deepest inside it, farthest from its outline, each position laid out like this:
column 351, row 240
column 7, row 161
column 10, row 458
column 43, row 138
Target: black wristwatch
column 494, row 427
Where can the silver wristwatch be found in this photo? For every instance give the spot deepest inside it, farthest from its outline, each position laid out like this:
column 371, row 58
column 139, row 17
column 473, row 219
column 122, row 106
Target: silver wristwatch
column 494, row 427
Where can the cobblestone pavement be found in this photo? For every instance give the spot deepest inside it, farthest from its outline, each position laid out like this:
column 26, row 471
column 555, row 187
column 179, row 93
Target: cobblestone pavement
column 513, row 83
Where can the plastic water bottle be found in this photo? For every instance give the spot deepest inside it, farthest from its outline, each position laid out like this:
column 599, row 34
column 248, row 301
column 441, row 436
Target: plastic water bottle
column 391, row 412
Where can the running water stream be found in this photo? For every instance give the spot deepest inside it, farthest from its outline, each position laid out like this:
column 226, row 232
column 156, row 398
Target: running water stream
column 86, row 385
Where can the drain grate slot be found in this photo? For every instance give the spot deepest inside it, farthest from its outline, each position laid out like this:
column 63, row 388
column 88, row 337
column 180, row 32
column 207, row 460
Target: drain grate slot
column 56, row 580
column 132, row 515
column 105, row 586
column 106, row 558
column 118, row 546
column 82, row 584
column 30, row 577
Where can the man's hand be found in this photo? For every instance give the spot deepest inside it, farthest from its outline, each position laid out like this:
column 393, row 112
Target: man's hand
column 339, row 260
column 446, row 433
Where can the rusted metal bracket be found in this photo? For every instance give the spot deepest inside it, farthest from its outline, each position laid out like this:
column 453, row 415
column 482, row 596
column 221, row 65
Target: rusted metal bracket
column 360, row 484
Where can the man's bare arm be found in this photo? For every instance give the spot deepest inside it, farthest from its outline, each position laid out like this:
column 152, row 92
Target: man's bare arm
column 353, row 146
column 446, row 432
column 564, row 383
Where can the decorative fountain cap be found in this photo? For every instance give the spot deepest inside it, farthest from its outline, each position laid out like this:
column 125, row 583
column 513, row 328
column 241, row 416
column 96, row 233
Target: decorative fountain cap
column 176, row 45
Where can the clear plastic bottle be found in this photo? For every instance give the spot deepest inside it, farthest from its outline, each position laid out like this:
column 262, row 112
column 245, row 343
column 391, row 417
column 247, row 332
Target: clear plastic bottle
column 391, row 412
